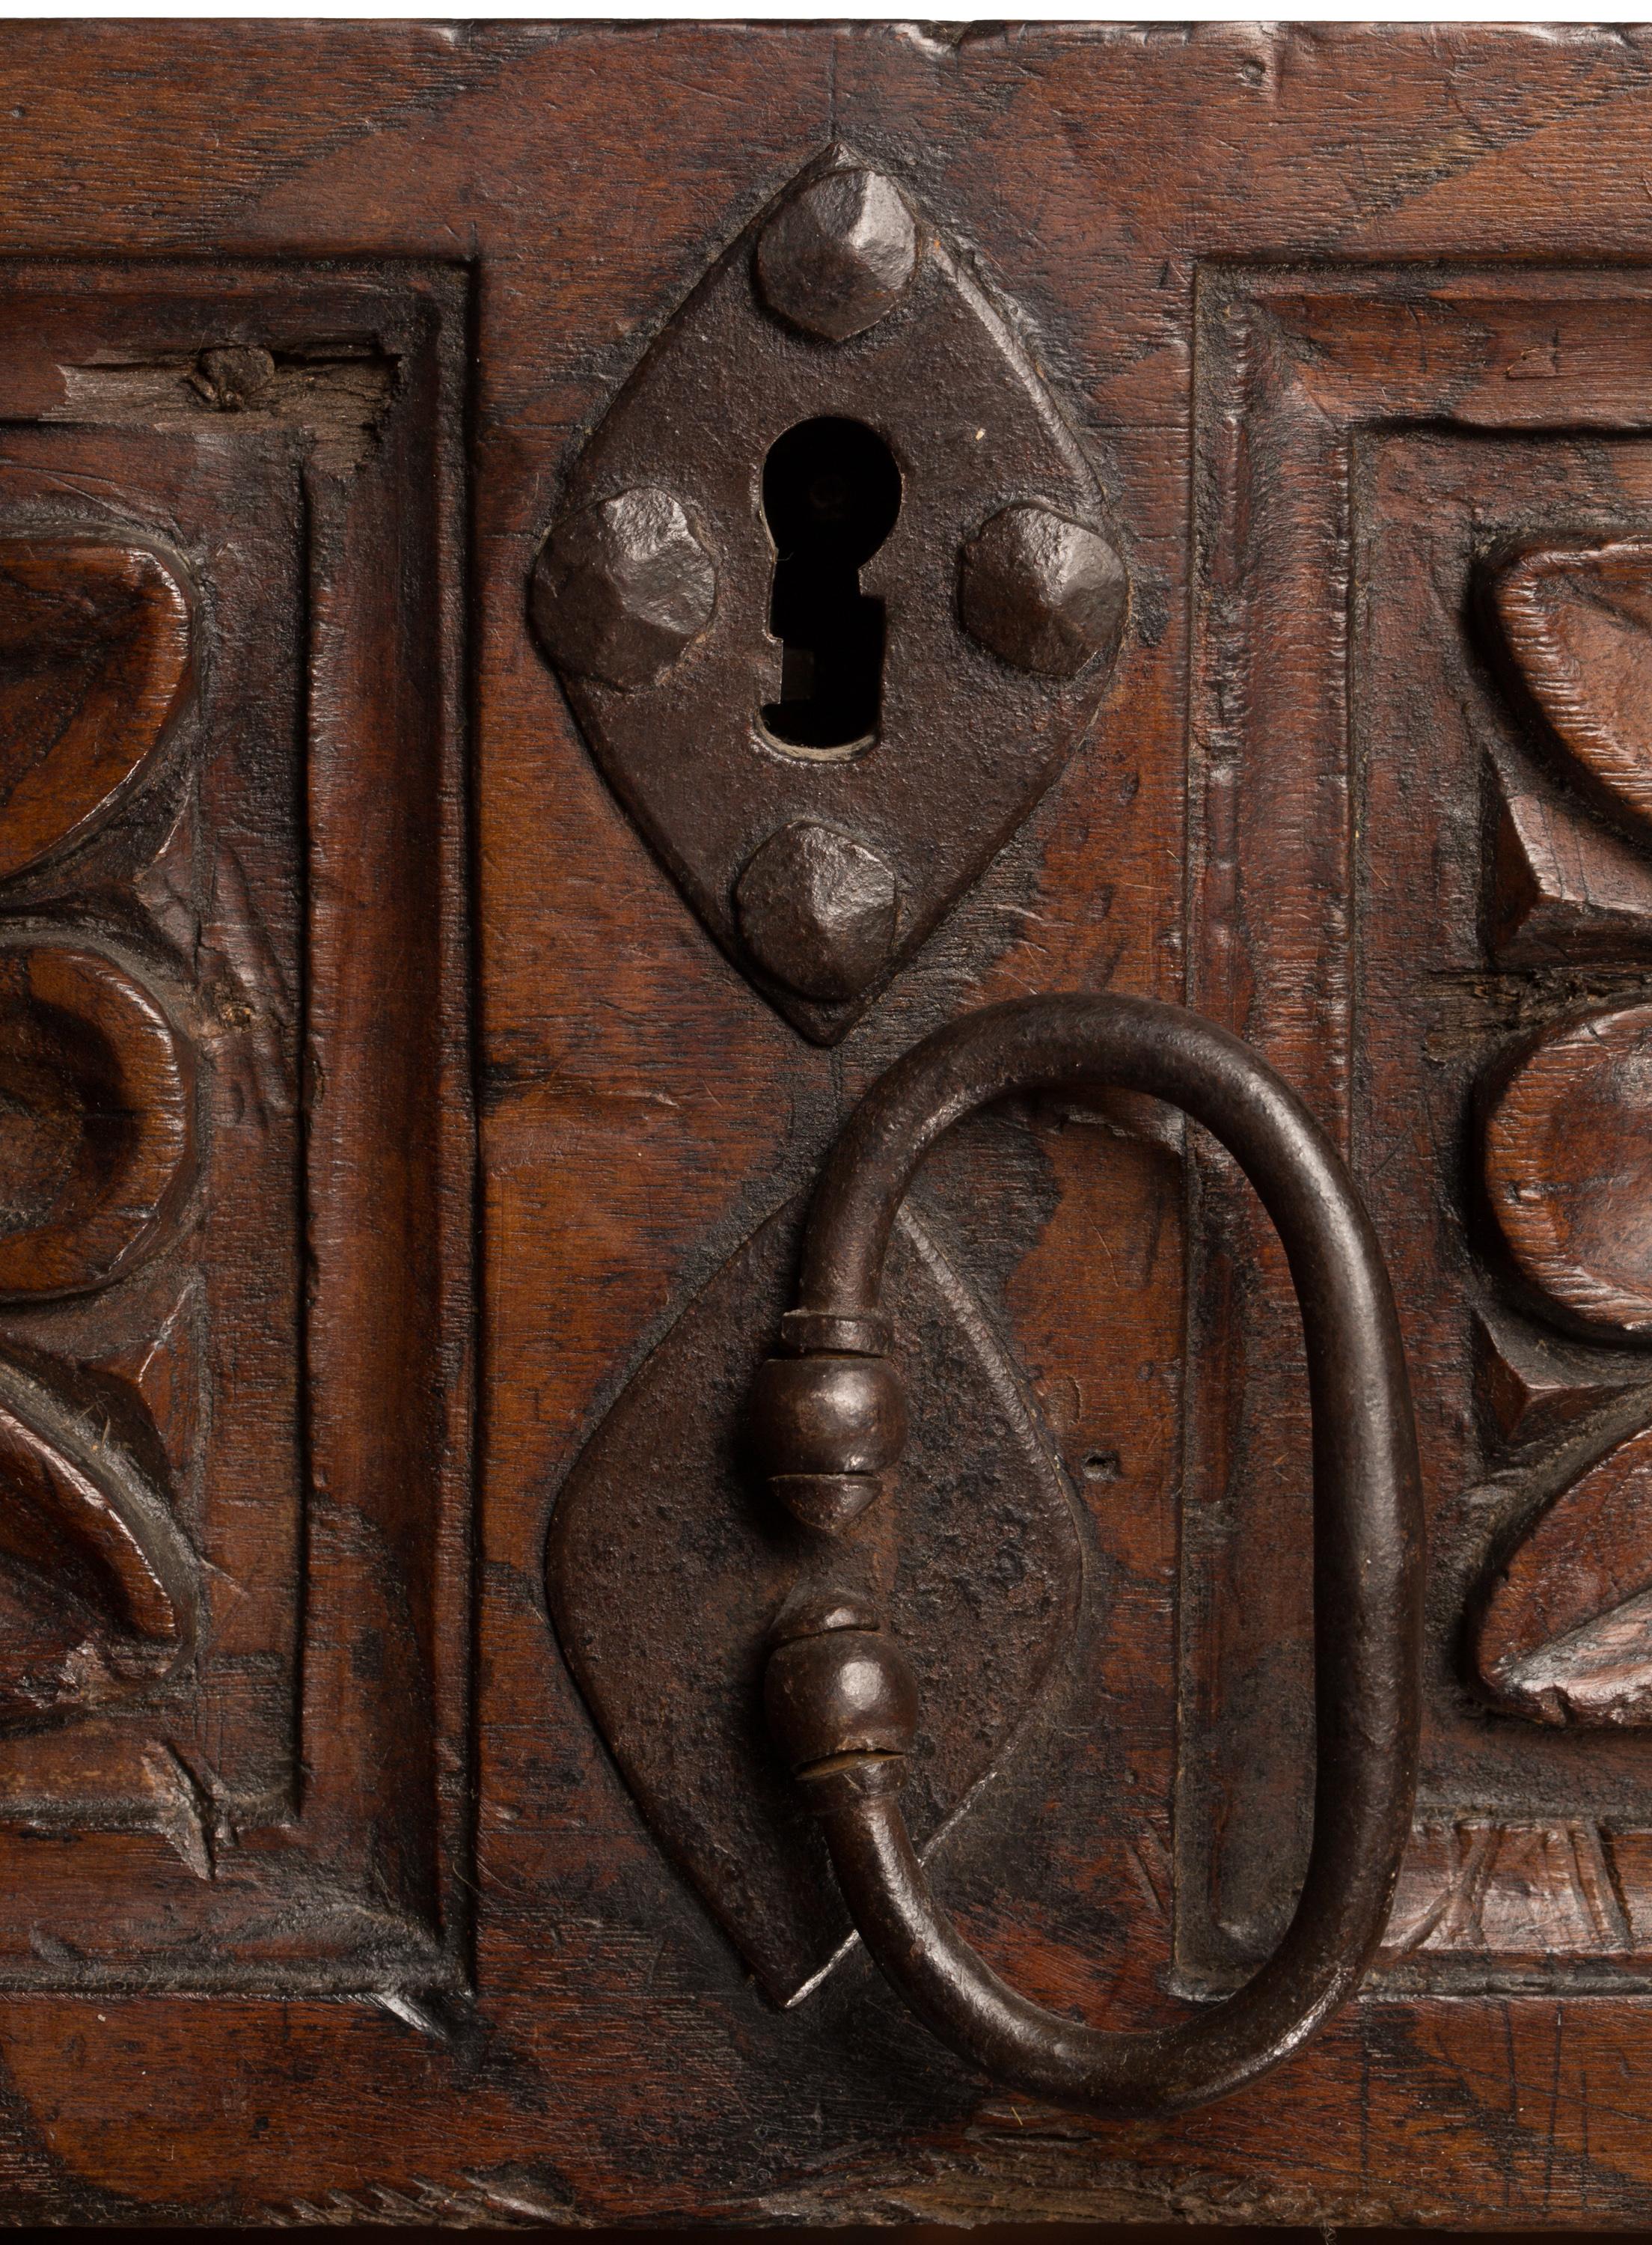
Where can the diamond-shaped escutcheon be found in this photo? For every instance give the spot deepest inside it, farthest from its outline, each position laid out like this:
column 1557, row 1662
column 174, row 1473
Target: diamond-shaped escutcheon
column 831, row 582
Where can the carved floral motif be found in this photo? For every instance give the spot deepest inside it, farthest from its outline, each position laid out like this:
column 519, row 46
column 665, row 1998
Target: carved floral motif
column 1563, row 1628
column 98, row 1585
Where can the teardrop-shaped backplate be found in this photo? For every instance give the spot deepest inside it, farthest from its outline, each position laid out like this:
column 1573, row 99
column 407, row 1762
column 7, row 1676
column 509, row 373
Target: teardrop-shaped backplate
column 669, row 1562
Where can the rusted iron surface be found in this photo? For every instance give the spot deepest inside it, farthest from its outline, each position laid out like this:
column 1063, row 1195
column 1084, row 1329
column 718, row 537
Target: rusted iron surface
column 845, row 1704
column 987, row 604
column 668, row 1569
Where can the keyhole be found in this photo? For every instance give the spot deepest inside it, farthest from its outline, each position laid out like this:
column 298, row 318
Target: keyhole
column 831, row 493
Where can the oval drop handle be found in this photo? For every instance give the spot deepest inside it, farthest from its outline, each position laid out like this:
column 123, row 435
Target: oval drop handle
column 841, row 1698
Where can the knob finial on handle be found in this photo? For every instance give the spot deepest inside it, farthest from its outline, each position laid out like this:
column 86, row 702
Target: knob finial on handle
column 830, row 1419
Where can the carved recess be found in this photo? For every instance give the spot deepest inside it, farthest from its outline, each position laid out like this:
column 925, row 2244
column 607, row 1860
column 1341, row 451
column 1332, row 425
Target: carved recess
column 1565, row 889
column 234, row 1137
column 829, row 683
column 1423, row 884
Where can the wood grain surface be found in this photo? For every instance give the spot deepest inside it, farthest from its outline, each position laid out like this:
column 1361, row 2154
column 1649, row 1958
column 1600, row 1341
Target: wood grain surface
column 1340, row 319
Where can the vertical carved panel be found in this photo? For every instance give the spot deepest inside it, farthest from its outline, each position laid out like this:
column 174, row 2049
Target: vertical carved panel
column 234, row 1137
column 1423, row 884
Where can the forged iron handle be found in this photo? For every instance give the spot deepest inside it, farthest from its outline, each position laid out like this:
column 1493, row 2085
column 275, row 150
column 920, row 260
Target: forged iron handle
column 841, row 1701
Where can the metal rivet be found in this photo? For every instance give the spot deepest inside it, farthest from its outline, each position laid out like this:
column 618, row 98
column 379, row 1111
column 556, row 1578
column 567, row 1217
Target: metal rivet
column 1044, row 592
column 621, row 588
column 839, row 254
column 817, row 911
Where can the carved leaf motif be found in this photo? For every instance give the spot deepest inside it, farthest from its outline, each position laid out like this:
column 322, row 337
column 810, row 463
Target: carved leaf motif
column 1577, row 621
column 667, row 1564
column 100, row 1593
column 1565, row 1629
column 1568, row 1168
column 94, row 663
column 95, row 1122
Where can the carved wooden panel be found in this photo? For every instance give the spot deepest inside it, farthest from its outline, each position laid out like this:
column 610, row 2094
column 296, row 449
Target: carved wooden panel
column 309, row 335
column 1423, row 882
column 234, row 1153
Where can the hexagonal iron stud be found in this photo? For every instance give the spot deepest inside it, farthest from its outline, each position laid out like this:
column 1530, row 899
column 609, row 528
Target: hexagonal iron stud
column 621, row 588
column 1044, row 592
column 835, row 257
column 818, row 910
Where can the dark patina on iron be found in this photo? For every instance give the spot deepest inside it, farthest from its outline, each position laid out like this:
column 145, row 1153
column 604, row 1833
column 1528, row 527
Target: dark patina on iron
column 844, row 1706
column 982, row 609
column 670, row 1574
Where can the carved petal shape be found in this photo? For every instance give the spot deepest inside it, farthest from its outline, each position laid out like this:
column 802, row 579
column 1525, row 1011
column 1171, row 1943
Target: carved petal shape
column 1529, row 1385
column 1577, row 620
column 99, row 1588
column 667, row 1563
column 1565, row 1633
column 95, row 1120
column 1568, row 1168
column 94, row 662
column 1567, row 888
column 669, row 673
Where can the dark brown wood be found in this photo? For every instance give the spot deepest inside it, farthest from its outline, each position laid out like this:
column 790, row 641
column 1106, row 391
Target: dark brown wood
column 361, row 1061
column 233, row 1012
column 1568, row 1169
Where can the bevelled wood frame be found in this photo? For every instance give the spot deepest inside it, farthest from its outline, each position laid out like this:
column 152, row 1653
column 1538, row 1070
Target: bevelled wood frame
column 1373, row 444
column 287, row 1807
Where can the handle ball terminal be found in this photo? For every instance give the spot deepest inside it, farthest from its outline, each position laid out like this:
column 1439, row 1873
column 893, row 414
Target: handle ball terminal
column 823, row 1427
column 839, row 1692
